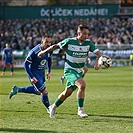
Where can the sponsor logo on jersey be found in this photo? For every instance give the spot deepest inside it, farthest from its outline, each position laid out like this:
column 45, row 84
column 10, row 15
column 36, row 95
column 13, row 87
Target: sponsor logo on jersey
column 77, row 53
column 42, row 62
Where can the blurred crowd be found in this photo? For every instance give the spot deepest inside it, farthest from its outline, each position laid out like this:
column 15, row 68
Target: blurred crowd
column 25, row 34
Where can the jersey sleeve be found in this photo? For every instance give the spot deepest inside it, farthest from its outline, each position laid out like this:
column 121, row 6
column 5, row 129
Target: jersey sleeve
column 64, row 44
column 27, row 63
column 93, row 48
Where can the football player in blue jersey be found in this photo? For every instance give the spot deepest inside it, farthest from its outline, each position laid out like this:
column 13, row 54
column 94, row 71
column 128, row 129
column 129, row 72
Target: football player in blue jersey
column 7, row 59
column 35, row 68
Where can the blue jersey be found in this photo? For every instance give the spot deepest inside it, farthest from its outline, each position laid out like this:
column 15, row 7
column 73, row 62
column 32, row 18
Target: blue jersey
column 8, row 55
column 35, row 65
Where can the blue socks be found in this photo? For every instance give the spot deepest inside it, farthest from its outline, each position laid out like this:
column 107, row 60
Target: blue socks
column 12, row 69
column 4, row 69
column 45, row 100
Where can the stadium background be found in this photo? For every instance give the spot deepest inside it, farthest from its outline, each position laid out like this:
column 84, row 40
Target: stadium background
column 111, row 24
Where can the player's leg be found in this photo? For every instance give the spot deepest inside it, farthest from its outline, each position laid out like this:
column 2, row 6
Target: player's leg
column 80, row 83
column 45, row 99
column 12, row 69
column 71, row 77
column 26, row 89
column 42, row 88
column 61, row 98
column 3, row 69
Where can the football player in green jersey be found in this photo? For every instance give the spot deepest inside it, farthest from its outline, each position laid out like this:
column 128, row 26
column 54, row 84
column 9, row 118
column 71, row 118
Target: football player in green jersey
column 77, row 50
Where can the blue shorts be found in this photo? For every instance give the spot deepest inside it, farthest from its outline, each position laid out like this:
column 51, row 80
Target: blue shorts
column 40, row 85
column 8, row 62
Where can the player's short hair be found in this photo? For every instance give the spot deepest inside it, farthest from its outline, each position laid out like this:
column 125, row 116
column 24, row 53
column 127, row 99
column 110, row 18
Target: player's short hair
column 81, row 27
column 45, row 35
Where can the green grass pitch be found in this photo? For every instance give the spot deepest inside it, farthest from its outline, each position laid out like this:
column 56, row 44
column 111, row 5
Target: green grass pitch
column 108, row 103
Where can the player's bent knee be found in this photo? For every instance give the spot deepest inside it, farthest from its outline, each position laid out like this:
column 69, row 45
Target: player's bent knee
column 82, row 87
column 45, row 91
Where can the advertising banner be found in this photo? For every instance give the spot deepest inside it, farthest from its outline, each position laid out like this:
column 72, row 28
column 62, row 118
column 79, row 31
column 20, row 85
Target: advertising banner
column 40, row 12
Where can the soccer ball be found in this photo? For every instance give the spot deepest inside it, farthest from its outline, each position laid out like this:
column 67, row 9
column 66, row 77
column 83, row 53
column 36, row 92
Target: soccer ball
column 104, row 62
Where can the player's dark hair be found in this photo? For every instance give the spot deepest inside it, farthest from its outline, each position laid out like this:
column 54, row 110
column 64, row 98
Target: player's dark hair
column 81, row 27
column 46, row 35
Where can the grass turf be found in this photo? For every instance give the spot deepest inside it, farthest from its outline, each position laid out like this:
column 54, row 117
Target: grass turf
column 108, row 103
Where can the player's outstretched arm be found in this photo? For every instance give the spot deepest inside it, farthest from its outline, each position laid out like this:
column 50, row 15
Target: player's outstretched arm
column 51, row 48
column 99, row 54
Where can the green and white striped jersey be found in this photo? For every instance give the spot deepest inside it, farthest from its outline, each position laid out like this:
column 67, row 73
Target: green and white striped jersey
column 77, row 53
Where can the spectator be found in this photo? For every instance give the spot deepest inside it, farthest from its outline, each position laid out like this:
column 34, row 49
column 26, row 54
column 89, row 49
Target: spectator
column 25, row 33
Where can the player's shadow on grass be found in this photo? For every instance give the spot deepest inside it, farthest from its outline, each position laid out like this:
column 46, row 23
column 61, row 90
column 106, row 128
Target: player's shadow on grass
column 18, row 110
column 28, row 130
column 113, row 116
column 104, row 116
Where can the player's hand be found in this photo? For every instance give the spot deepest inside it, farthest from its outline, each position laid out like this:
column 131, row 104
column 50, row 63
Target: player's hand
column 34, row 80
column 96, row 66
column 89, row 60
column 48, row 76
column 85, row 69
